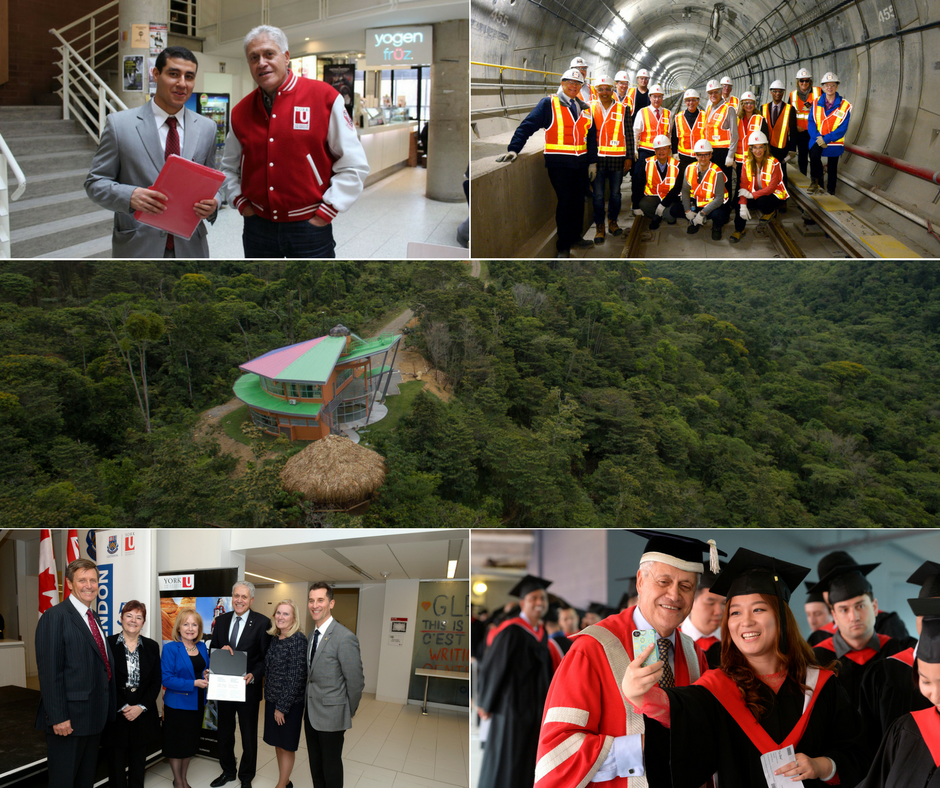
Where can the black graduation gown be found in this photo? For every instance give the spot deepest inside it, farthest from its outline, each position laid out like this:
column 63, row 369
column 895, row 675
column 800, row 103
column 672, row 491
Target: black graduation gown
column 851, row 673
column 888, row 692
column 903, row 759
column 514, row 679
column 705, row 739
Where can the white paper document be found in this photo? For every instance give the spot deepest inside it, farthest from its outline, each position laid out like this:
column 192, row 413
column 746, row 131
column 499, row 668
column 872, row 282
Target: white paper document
column 773, row 761
column 226, row 688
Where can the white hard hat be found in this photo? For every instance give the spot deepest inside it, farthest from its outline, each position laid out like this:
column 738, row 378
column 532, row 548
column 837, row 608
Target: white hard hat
column 572, row 73
column 622, row 76
column 829, row 77
column 726, row 81
column 777, row 85
column 604, row 80
column 578, row 62
column 757, row 138
column 702, row 146
column 662, row 141
column 748, row 96
column 712, row 85
column 804, row 73
column 642, row 73
column 656, row 89
column 691, row 93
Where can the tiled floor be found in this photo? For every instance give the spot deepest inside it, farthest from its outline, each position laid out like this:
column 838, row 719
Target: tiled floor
column 387, row 216
column 389, row 746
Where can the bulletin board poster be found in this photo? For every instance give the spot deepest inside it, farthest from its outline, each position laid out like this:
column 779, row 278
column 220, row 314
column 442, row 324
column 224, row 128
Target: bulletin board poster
column 158, row 38
column 209, row 591
column 442, row 640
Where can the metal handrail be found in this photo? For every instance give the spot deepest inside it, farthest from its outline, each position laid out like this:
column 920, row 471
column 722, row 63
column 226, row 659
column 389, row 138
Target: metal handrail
column 8, row 159
column 94, row 13
column 516, row 68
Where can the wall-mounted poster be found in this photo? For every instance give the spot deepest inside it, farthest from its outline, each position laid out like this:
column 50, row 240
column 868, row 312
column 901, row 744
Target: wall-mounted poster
column 140, row 36
column 158, row 38
column 342, row 76
column 133, row 73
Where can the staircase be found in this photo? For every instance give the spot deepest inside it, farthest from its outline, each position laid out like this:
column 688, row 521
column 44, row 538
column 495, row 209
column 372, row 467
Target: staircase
column 54, row 218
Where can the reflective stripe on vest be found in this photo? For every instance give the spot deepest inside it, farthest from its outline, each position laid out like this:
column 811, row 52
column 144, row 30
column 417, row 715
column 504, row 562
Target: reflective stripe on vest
column 827, row 123
column 686, row 136
column 660, row 187
column 719, row 137
column 778, row 133
column 704, row 192
column 804, row 108
column 610, row 136
column 764, row 177
column 732, row 101
column 743, row 134
column 567, row 135
column 650, row 129
column 626, row 101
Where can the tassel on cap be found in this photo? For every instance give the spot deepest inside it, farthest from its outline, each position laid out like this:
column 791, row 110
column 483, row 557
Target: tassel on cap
column 713, row 557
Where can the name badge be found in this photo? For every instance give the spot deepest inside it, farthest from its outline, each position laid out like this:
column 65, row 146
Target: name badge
column 302, row 118
column 614, row 143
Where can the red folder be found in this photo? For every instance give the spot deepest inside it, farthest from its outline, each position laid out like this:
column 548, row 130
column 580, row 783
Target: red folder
column 184, row 183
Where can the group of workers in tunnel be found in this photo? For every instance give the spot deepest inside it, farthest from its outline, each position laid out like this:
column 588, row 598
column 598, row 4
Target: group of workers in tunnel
column 719, row 163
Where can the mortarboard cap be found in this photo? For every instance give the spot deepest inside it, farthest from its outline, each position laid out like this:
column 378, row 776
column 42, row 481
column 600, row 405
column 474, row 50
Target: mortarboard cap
column 927, row 577
column 528, row 584
column 831, row 560
column 846, row 581
column 813, row 596
column 754, row 573
column 929, row 606
column 599, row 609
column 709, row 578
column 682, row 552
column 928, row 647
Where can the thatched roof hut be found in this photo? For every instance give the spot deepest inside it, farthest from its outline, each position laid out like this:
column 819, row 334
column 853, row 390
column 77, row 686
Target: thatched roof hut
column 335, row 473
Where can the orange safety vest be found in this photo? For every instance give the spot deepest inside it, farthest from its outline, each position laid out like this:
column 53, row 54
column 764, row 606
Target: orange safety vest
column 803, row 108
column 778, row 133
column 593, row 91
column 719, row 137
column 827, row 123
column 660, row 187
column 610, row 135
column 704, row 192
column 732, row 101
column 686, row 136
column 764, row 176
column 650, row 129
column 743, row 133
column 626, row 101
column 567, row 135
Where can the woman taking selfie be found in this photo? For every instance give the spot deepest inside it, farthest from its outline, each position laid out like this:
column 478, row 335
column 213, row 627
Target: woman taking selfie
column 769, row 701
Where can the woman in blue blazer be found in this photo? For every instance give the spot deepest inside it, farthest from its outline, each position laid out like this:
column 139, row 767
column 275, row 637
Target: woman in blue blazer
column 184, row 663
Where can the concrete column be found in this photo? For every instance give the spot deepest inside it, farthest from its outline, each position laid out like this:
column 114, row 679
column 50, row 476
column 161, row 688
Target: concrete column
column 449, row 132
column 137, row 12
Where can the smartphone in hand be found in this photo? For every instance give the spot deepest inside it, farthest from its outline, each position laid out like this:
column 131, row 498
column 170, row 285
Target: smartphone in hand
column 643, row 638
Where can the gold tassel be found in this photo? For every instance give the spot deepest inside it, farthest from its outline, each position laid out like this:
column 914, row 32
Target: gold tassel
column 713, row 564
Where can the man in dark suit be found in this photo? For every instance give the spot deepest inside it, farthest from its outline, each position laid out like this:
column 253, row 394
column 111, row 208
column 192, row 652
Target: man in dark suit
column 76, row 680
column 334, row 688
column 134, row 146
column 241, row 630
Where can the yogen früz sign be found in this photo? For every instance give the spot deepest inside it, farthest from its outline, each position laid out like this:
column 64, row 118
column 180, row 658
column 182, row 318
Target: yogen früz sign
column 391, row 47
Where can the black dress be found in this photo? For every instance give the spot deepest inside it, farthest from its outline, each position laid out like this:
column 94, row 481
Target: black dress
column 709, row 740
column 183, row 727
column 515, row 675
column 285, row 680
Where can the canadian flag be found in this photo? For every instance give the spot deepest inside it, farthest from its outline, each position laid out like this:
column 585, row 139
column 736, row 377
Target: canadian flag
column 71, row 556
column 48, row 593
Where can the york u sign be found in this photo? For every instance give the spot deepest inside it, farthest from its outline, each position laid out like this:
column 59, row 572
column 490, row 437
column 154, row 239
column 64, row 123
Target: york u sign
column 388, row 47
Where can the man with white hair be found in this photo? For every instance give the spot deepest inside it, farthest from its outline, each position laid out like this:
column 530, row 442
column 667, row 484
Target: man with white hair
column 293, row 160
column 241, row 630
column 589, row 735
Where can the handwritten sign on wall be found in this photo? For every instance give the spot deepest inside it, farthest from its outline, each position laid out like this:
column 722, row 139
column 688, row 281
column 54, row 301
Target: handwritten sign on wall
column 442, row 640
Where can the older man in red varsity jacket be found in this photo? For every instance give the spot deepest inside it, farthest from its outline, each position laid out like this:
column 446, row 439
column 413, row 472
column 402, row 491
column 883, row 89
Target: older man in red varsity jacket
column 293, row 160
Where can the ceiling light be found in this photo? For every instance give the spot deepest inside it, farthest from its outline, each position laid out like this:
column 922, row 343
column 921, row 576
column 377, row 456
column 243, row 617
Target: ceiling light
column 263, row 577
column 479, row 588
column 307, row 38
column 451, row 569
column 453, row 554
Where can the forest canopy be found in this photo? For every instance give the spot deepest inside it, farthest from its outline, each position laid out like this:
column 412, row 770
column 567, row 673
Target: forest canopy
column 666, row 394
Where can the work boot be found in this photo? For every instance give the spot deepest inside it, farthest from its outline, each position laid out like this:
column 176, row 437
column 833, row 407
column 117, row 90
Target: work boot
column 600, row 235
column 737, row 235
column 563, row 253
column 814, row 188
column 655, row 222
column 582, row 243
column 768, row 217
column 716, row 233
column 613, row 228
column 692, row 229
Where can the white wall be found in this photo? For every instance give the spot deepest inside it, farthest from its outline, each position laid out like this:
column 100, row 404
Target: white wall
column 371, row 609
column 394, row 675
column 198, row 548
column 576, row 562
column 267, row 598
column 235, row 79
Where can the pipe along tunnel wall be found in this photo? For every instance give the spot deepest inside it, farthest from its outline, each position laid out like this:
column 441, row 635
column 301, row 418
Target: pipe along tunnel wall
column 887, row 55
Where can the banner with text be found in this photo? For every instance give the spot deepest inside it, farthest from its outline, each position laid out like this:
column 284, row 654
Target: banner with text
column 442, row 640
column 124, row 573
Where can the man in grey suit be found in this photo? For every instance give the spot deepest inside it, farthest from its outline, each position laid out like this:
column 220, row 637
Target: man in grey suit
column 76, row 680
column 134, row 146
column 334, row 688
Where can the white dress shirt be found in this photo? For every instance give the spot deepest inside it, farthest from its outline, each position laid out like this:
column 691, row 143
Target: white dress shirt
column 83, row 612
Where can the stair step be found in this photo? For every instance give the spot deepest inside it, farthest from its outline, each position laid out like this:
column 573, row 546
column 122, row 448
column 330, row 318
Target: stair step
column 45, row 163
column 58, row 182
column 96, row 248
column 30, row 112
column 50, row 143
column 42, row 239
column 39, row 128
column 35, row 210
